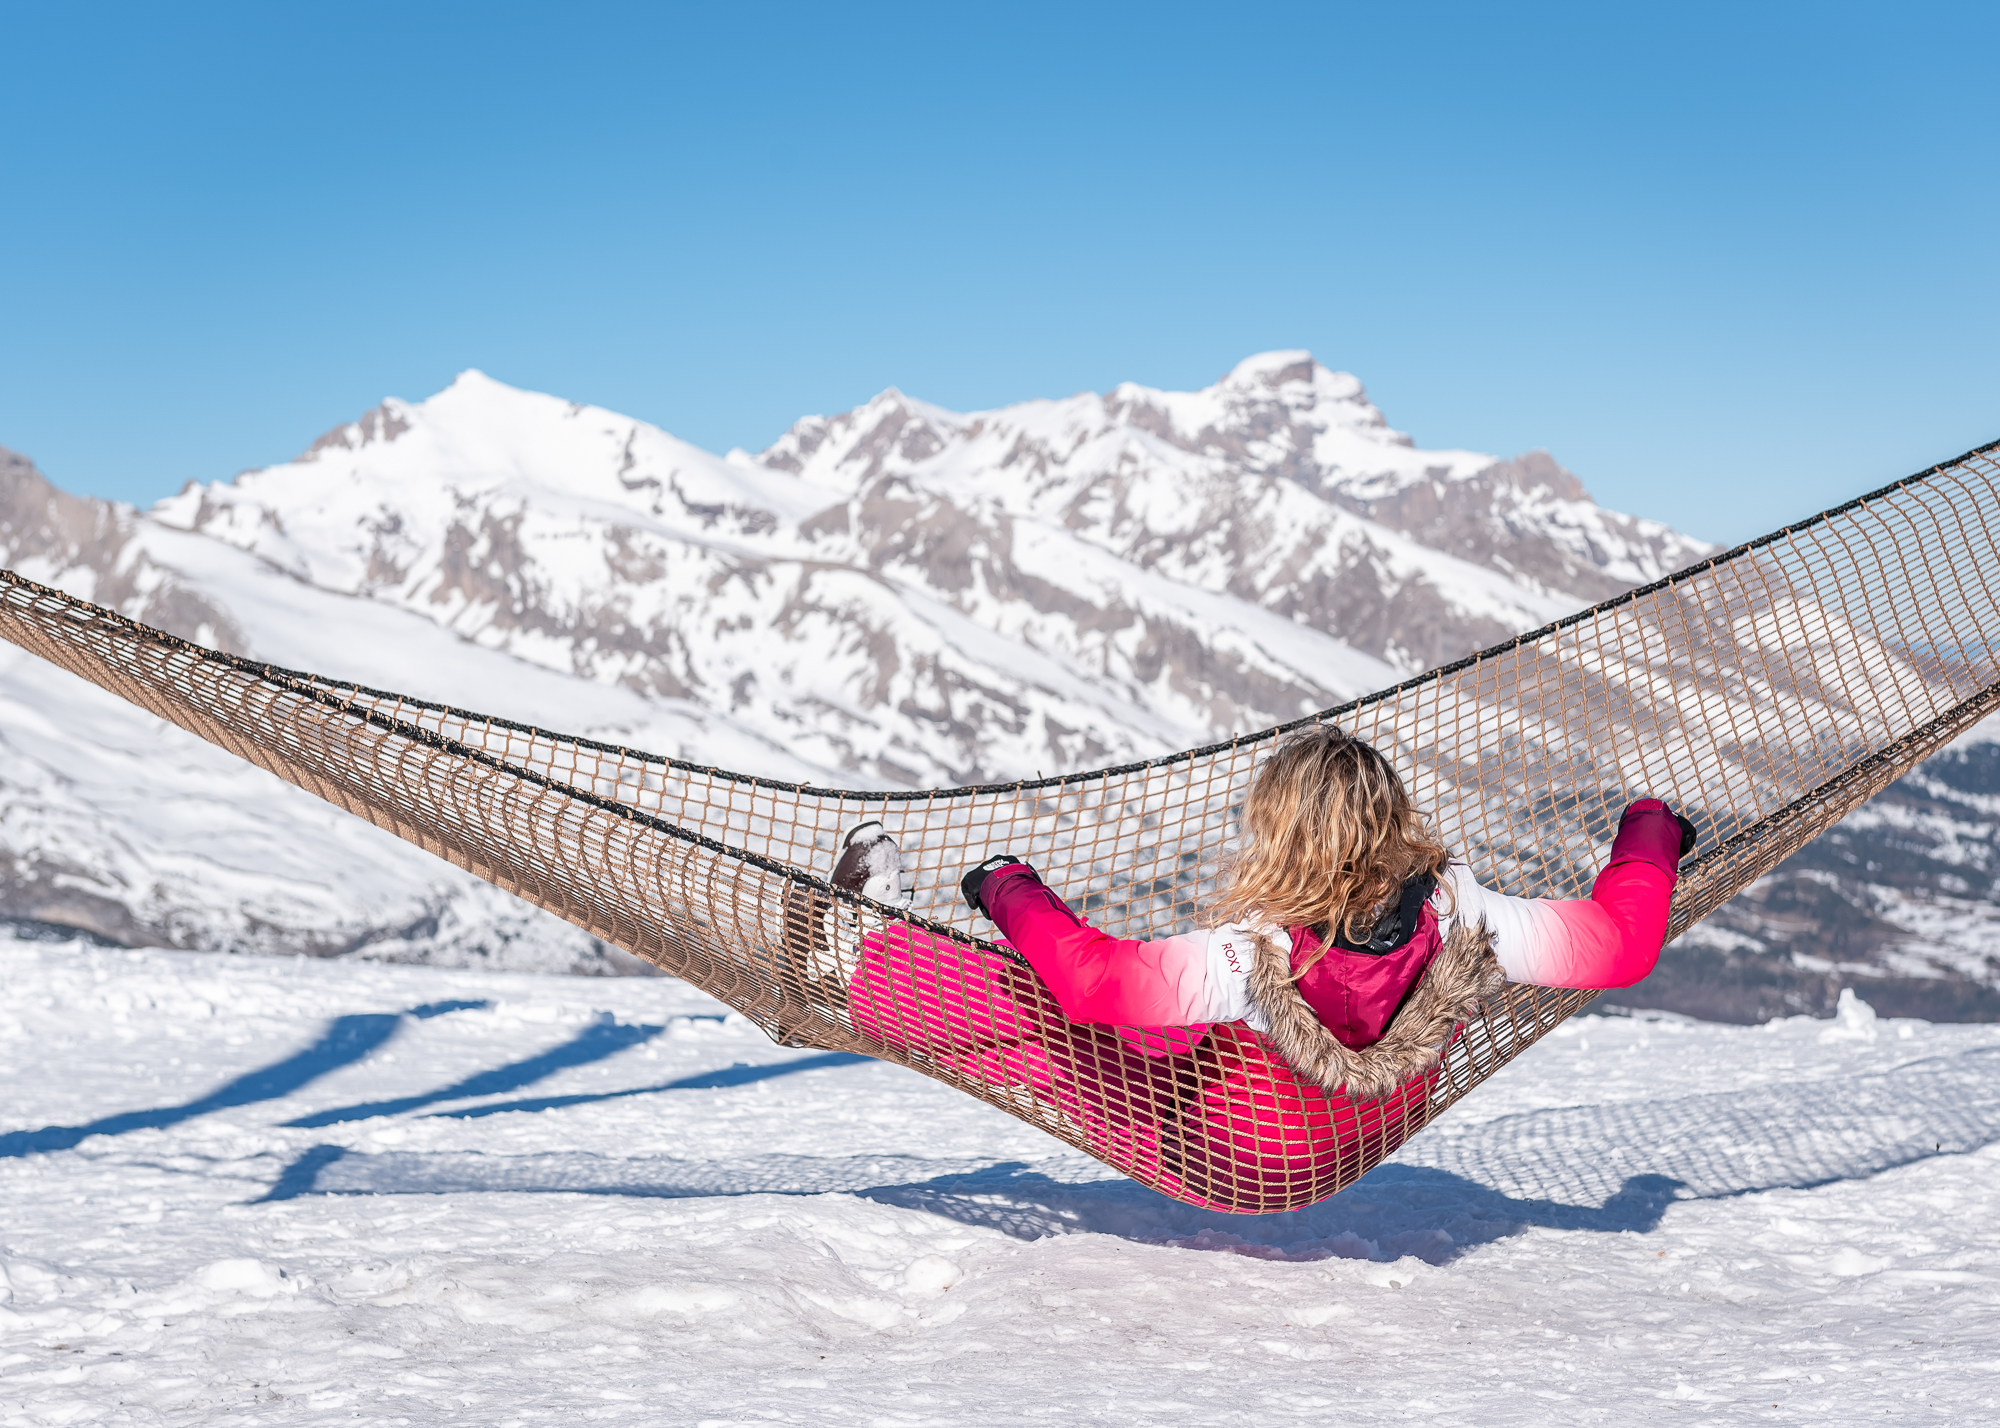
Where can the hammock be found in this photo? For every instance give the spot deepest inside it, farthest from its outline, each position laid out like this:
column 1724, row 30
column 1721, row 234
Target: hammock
column 1767, row 691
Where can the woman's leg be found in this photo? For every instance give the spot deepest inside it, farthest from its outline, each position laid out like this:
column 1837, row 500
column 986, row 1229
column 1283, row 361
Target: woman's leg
column 991, row 1021
column 920, row 992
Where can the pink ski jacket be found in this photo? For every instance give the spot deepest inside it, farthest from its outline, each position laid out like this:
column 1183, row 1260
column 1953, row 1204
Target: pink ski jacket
column 1610, row 939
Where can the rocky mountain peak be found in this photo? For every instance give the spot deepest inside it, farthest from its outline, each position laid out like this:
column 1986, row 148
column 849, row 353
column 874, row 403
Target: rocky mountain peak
column 1270, row 410
column 382, row 423
column 36, row 519
column 1272, row 371
column 1538, row 473
column 853, row 448
column 1317, row 395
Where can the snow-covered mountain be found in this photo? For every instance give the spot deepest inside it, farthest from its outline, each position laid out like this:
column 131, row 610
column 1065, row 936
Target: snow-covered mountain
column 897, row 595
column 910, row 595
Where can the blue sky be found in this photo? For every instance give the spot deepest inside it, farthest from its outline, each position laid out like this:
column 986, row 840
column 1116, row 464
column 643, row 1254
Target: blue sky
column 1730, row 263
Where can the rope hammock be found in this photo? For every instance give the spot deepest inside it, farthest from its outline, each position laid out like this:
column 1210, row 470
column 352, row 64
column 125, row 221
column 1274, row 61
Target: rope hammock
column 1767, row 692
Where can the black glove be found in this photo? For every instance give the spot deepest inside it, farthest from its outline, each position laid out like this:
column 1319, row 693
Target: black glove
column 1687, row 833
column 970, row 883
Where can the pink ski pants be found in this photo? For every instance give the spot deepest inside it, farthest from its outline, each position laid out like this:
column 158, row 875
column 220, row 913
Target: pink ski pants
column 1209, row 1115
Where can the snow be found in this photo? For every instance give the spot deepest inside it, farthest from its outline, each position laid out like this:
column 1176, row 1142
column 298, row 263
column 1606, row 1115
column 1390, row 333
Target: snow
column 296, row 1192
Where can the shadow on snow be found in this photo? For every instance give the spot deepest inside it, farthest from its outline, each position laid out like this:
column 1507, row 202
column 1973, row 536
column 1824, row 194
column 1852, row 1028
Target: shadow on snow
column 345, row 1041
column 741, row 1074
column 593, row 1043
column 1606, row 1168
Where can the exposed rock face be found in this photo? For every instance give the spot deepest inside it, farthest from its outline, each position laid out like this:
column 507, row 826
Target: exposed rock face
column 1532, row 519
column 87, row 547
column 896, row 595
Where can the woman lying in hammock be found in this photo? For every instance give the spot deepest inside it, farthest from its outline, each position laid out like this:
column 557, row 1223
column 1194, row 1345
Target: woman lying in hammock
column 1245, row 1065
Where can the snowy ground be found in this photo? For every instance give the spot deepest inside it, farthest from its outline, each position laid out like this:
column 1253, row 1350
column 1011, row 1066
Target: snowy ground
column 248, row 1191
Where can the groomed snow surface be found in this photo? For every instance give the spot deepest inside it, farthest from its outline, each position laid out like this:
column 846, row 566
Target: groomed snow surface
column 253, row 1191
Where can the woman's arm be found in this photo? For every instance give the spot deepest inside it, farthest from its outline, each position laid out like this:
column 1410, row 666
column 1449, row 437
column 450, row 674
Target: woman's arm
column 1168, row 981
column 1610, row 939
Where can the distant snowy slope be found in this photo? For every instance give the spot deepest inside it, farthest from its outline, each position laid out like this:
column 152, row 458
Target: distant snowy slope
column 898, row 595
column 1901, row 900
column 124, row 826
column 117, row 823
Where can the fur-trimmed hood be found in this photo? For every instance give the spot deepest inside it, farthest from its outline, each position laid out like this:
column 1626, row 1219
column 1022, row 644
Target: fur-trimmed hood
column 1462, row 975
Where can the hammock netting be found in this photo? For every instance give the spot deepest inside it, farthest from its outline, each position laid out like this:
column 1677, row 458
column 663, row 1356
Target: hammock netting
column 1767, row 692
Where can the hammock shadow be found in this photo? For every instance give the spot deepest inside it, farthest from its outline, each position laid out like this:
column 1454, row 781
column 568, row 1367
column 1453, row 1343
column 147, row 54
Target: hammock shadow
column 346, row 1040
column 1394, row 1211
column 1722, row 1144
column 594, row 1043
column 1612, row 1168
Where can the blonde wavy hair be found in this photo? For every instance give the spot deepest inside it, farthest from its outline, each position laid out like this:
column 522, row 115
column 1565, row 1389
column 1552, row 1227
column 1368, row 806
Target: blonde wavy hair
column 1330, row 837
